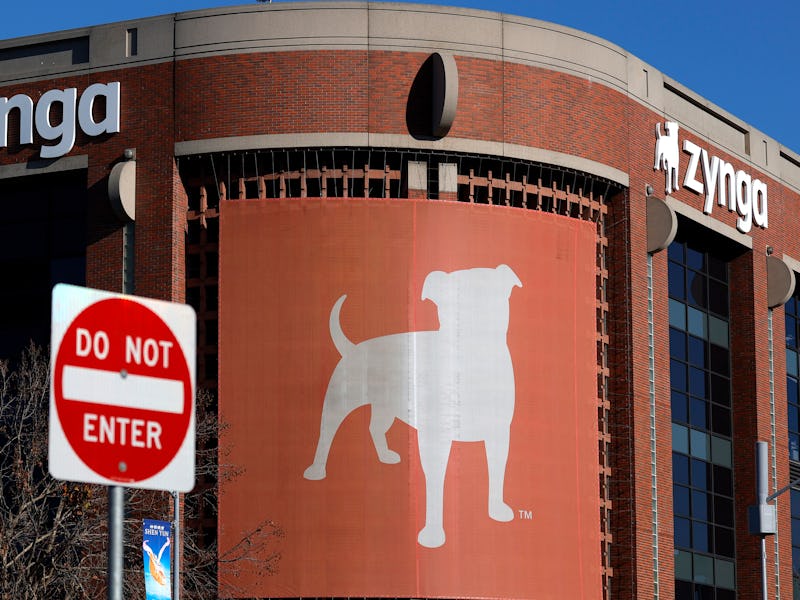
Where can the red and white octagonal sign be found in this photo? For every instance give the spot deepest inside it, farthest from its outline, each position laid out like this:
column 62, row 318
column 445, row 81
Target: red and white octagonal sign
column 122, row 390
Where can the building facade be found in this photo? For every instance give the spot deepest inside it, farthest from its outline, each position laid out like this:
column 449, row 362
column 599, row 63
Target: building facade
column 260, row 162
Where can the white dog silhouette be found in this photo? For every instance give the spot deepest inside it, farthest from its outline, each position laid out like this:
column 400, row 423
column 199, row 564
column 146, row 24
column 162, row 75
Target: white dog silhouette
column 668, row 154
column 454, row 384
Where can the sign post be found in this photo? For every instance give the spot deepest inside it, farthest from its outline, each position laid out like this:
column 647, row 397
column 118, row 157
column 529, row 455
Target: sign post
column 122, row 398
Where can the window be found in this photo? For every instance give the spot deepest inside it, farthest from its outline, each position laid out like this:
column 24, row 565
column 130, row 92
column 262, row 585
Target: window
column 702, row 455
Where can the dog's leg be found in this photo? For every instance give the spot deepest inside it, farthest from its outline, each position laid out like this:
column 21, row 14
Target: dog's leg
column 496, row 458
column 379, row 423
column 434, row 455
column 332, row 417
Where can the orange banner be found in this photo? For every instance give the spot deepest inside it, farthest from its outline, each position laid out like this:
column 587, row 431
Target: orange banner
column 411, row 393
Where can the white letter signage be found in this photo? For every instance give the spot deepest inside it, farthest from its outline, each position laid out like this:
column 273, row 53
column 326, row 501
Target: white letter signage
column 712, row 177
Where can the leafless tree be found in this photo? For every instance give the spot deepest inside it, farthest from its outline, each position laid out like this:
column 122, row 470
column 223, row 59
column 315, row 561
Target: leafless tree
column 54, row 534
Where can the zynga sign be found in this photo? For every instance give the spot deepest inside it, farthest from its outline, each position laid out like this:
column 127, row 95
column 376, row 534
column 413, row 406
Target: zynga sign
column 75, row 113
column 712, row 177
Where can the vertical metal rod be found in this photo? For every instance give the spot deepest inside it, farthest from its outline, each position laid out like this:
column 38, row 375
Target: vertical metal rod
column 176, row 535
column 116, row 504
column 764, row 567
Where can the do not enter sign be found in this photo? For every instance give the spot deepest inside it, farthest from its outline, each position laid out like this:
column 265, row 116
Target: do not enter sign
column 122, row 390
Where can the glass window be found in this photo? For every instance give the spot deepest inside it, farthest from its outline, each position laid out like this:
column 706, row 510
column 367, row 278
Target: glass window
column 717, row 331
column 724, row 573
column 677, row 343
column 698, row 383
column 683, row 535
column 700, row 445
column 680, row 407
column 700, row 536
column 703, row 569
column 697, row 351
column 791, row 362
column 677, row 274
column 683, row 565
column 697, row 322
column 680, row 468
column 720, row 420
column 680, row 438
column 700, row 505
column 698, row 414
column 697, row 289
column 701, row 415
column 677, row 314
column 721, row 451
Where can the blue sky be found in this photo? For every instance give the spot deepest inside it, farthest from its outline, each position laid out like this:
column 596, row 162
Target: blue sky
column 741, row 55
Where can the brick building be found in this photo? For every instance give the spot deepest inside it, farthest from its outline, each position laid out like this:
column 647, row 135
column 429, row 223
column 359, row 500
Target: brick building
column 219, row 124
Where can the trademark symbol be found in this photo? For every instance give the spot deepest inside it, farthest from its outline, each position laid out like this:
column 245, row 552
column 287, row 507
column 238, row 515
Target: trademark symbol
column 525, row 515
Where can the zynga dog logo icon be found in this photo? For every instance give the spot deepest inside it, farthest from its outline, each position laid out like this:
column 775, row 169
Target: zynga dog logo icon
column 452, row 384
column 667, row 154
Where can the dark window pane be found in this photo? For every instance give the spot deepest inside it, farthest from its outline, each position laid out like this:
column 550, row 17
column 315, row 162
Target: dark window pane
column 680, row 407
column 697, row 415
column 676, row 281
column 794, row 447
column 680, row 468
column 791, row 306
column 700, row 505
column 697, row 351
column 700, row 537
column 723, row 511
column 697, row 382
column 720, row 359
column 680, row 500
column 723, row 480
column 720, row 420
column 795, row 496
column 718, row 298
column 703, row 592
column 791, row 390
column 682, row 533
column 726, row 594
column 696, row 260
column 720, row 390
column 697, row 289
column 675, row 252
column 700, row 474
column 677, row 343
column 677, row 375
column 795, row 530
column 723, row 542
column 683, row 590
column 791, row 330
column 793, row 413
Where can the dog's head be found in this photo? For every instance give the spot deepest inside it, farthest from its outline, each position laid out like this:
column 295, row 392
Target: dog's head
column 473, row 301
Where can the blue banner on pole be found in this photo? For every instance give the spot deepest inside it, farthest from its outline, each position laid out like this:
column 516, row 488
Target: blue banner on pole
column 156, row 540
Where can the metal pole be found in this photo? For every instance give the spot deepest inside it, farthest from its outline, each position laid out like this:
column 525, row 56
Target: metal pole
column 176, row 565
column 116, row 506
column 764, row 567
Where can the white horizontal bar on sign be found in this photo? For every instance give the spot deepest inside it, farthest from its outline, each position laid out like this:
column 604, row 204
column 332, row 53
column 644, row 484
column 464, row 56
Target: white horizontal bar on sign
column 97, row 386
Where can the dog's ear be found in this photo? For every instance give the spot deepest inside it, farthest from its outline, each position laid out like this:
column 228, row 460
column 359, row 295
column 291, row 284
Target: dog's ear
column 509, row 276
column 433, row 283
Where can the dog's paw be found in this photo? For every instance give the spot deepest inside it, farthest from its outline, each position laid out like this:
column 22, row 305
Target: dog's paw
column 315, row 472
column 431, row 536
column 390, row 457
column 501, row 512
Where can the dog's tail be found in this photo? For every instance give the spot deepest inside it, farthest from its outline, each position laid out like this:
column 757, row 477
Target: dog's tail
column 343, row 345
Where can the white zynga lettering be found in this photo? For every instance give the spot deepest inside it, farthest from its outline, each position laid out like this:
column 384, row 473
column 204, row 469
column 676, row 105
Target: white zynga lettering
column 735, row 190
column 75, row 113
